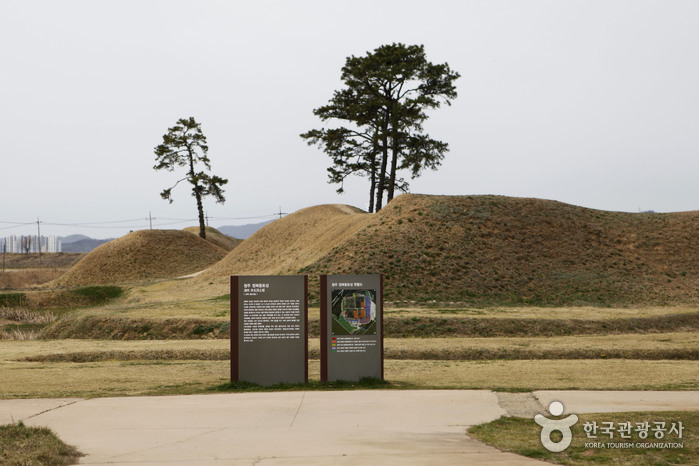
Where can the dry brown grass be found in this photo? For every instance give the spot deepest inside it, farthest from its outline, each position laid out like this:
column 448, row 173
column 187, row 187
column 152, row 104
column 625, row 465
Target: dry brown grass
column 126, row 378
column 490, row 250
column 53, row 260
column 522, row 436
column 157, row 300
column 143, row 255
column 22, row 379
column 13, row 351
column 24, row 315
column 669, row 346
column 613, row 374
column 22, row 445
column 109, row 378
column 24, row 324
column 18, row 279
column 18, row 334
column 640, row 342
column 217, row 238
column 548, row 313
column 481, row 251
column 596, row 347
column 675, row 340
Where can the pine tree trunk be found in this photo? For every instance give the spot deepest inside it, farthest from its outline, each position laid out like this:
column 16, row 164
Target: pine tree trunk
column 395, row 149
column 200, row 207
column 372, row 188
column 394, row 166
column 197, row 194
column 384, row 163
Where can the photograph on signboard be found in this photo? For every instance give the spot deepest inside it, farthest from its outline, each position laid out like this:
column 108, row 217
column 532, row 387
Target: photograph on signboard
column 354, row 312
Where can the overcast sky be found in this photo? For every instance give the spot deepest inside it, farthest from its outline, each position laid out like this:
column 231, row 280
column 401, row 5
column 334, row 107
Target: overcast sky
column 592, row 103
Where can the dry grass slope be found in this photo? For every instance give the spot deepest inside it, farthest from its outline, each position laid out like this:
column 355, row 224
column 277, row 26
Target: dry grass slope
column 502, row 250
column 143, row 255
column 287, row 245
column 480, row 251
column 216, row 237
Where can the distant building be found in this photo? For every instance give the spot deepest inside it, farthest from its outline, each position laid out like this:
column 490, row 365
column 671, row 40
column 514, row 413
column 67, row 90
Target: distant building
column 22, row 244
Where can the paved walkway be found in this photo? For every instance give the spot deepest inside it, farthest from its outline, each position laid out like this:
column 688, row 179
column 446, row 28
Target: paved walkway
column 316, row 427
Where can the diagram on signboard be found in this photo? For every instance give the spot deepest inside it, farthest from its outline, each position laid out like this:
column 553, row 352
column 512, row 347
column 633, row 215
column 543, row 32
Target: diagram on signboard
column 353, row 312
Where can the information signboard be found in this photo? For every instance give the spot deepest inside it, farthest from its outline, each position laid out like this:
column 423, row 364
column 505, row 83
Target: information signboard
column 351, row 327
column 269, row 329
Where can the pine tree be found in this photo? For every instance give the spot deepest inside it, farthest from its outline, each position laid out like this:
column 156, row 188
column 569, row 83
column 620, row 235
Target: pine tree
column 184, row 145
column 384, row 104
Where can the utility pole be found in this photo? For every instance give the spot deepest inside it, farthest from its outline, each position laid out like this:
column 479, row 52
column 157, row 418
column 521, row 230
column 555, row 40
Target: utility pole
column 150, row 219
column 280, row 212
column 207, row 219
column 38, row 237
column 4, row 251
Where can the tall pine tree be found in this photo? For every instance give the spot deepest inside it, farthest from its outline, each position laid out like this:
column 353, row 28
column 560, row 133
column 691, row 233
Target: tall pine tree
column 384, row 103
column 184, row 145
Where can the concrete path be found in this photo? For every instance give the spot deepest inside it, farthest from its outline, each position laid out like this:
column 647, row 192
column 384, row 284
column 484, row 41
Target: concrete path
column 316, row 427
column 589, row 401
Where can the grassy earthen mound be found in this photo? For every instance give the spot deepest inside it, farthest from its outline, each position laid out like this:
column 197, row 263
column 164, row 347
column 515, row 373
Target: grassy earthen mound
column 143, row 255
column 216, row 237
column 287, row 245
column 481, row 250
column 501, row 250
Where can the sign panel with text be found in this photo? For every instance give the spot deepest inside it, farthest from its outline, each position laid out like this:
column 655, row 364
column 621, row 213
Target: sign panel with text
column 351, row 321
column 269, row 329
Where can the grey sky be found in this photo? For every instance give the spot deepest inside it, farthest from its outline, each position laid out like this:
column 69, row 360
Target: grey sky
column 593, row 103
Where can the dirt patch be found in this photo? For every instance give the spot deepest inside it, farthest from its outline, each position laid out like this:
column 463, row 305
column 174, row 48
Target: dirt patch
column 143, row 255
column 520, row 404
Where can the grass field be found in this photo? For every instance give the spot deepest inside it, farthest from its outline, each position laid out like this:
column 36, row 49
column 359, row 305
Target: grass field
column 602, row 346
column 482, row 273
column 181, row 321
column 21, row 445
column 623, row 349
column 162, row 300
column 522, row 436
column 115, row 368
column 17, row 279
column 139, row 377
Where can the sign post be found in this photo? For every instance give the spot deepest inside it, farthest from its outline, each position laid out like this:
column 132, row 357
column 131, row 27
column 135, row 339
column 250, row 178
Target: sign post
column 351, row 327
column 269, row 329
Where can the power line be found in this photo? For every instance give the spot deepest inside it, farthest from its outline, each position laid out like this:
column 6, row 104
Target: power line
column 16, row 226
column 134, row 222
column 93, row 223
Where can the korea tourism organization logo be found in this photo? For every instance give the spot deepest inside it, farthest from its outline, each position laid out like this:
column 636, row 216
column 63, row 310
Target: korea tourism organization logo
column 549, row 426
column 621, row 435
